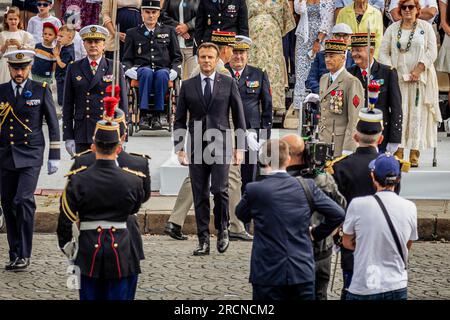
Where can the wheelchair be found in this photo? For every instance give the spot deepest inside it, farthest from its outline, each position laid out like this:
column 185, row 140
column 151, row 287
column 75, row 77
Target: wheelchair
column 166, row 117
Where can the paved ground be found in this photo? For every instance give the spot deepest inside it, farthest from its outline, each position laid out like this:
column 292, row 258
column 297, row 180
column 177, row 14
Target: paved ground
column 171, row 272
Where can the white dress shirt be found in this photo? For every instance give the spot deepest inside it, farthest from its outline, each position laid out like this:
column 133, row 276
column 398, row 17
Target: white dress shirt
column 211, row 82
column 337, row 73
column 22, row 85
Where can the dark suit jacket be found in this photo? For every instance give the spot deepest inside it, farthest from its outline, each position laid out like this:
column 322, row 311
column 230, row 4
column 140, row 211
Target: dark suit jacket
column 214, row 117
column 231, row 15
column 318, row 69
column 170, row 15
column 20, row 147
column 389, row 100
column 83, row 98
column 282, row 251
column 254, row 88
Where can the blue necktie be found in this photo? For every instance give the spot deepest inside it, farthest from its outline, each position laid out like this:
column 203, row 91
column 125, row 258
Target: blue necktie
column 207, row 93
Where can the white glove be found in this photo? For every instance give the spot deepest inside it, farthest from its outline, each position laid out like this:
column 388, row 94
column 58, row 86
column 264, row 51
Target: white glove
column 52, row 166
column 346, row 152
column 312, row 97
column 70, row 147
column 252, row 141
column 124, row 146
column 173, row 75
column 392, row 147
column 132, row 73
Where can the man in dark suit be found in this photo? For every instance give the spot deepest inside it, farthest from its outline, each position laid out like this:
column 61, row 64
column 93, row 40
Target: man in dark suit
column 153, row 53
column 282, row 262
column 390, row 97
column 254, row 88
column 209, row 98
column 24, row 104
column 103, row 250
column 220, row 15
column 84, row 90
column 318, row 68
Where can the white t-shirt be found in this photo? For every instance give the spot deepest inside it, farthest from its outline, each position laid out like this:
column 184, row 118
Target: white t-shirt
column 35, row 26
column 378, row 266
column 423, row 4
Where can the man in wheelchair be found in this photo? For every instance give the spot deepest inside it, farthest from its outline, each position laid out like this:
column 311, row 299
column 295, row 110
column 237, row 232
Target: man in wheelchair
column 152, row 55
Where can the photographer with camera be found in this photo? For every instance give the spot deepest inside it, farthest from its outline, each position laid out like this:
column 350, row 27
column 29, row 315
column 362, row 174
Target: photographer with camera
column 299, row 166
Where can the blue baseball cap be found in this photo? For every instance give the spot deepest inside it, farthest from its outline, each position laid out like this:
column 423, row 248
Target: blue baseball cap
column 385, row 165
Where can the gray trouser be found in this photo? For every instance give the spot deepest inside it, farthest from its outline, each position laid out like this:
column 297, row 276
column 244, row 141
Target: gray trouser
column 323, row 271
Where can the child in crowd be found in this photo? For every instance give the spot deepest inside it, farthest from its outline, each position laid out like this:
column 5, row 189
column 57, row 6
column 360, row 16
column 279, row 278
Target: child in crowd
column 44, row 61
column 64, row 53
column 36, row 23
column 12, row 38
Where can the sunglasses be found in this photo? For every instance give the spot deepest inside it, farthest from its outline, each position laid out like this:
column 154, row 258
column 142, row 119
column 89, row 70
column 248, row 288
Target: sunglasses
column 410, row 7
column 43, row 4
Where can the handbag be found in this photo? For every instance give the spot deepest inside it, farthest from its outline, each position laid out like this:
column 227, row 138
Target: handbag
column 391, row 227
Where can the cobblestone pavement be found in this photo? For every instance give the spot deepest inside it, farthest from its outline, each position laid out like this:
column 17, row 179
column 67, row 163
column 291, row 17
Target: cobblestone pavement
column 171, row 272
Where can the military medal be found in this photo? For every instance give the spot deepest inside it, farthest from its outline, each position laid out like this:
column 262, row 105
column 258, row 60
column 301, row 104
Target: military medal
column 209, row 21
column 139, row 51
column 78, row 78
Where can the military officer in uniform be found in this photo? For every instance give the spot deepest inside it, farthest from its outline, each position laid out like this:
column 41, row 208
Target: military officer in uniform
column 84, row 90
column 341, row 99
column 254, row 88
column 152, row 55
column 103, row 252
column 390, row 97
column 24, row 104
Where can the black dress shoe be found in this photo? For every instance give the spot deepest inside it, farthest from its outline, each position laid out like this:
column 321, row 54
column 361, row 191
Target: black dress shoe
column 222, row 241
column 240, row 236
column 202, row 249
column 20, row 264
column 174, row 231
column 10, row 264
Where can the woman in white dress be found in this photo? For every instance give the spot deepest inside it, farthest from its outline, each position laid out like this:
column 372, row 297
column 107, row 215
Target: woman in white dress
column 443, row 61
column 409, row 45
column 12, row 38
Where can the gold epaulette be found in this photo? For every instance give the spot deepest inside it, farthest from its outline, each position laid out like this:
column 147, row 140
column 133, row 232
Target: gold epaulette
column 329, row 165
column 404, row 164
column 44, row 84
column 135, row 172
column 76, row 155
column 140, row 155
column 71, row 173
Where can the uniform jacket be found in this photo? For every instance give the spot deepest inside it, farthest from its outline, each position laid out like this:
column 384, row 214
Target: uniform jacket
column 161, row 51
column 83, row 98
column 389, row 100
column 318, row 69
column 22, row 140
column 221, row 15
column 225, row 97
column 103, row 191
column 133, row 162
column 282, row 251
column 345, row 123
column 170, row 15
column 254, row 88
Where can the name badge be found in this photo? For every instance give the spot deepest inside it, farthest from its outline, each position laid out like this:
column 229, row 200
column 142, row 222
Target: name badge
column 34, row 102
column 252, row 84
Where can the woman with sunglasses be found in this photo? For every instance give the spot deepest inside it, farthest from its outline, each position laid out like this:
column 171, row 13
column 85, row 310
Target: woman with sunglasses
column 409, row 45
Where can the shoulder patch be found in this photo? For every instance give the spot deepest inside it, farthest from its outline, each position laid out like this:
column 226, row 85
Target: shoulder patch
column 76, row 155
column 329, row 165
column 44, row 84
column 135, row 172
column 73, row 172
column 146, row 156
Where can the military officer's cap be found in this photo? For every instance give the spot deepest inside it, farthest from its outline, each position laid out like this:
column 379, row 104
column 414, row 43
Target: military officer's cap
column 19, row 58
column 94, row 32
column 335, row 46
column 151, row 4
column 341, row 28
column 242, row 43
column 370, row 121
column 223, row 38
column 107, row 132
column 360, row 39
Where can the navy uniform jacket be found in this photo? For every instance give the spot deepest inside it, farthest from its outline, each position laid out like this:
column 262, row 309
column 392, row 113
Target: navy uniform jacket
column 254, row 88
column 220, row 15
column 282, row 251
column 101, row 192
column 389, row 100
column 318, row 69
column 216, row 115
column 83, row 98
column 161, row 51
column 22, row 140
column 133, row 162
